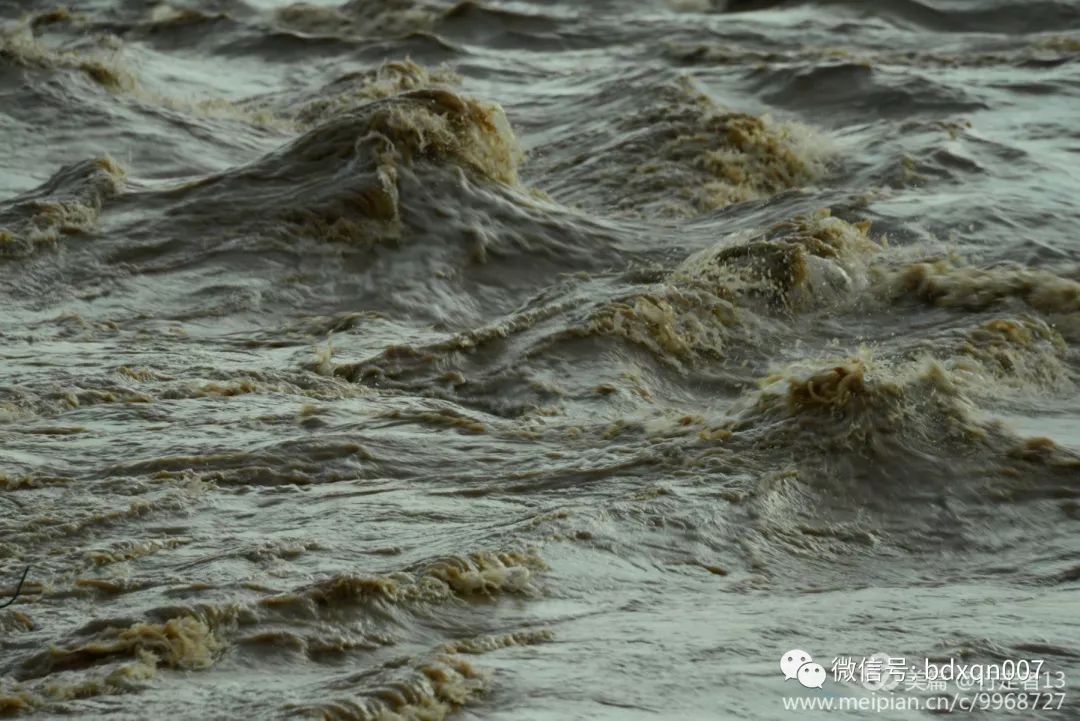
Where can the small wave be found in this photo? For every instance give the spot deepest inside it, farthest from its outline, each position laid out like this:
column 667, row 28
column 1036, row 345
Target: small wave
column 727, row 302
column 1024, row 353
column 946, row 284
column 803, row 65
column 476, row 576
column 486, row 644
column 185, row 643
column 699, row 157
column 374, row 18
column 351, row 91
column 854, row 89
column 19, row 46
column 373, row 176
column 119, row 660
column 429, row 689
column 999, row 17
column 803, row 263
column 69, row 203
column 164, row 16
column 859, row 408
column 380, row 139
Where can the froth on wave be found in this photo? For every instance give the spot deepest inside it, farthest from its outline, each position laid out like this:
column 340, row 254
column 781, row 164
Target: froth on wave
column 1024, row 353
column 351, row 91
column 102, row 60
column 116, row 660
column 478, row 575
column 944, row 283
column 434, row 126
column 806, row 262
column 69, row 203
column 886, row 426
column 430, row 689
column 721, row 305
column 20, row 46
column 864, row 406
column 725, row 293
column 351, row 179
column 688, row 156
column 343, row 614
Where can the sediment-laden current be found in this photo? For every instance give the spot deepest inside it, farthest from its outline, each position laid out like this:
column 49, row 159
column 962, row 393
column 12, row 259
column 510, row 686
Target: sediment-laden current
column 532, row 359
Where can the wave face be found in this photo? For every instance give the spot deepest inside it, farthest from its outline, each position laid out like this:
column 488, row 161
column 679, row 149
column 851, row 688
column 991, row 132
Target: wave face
column 531, row 359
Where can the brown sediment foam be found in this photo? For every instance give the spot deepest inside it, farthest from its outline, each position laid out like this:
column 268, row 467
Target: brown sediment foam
column 185, row 643
column 487, row 574
column 701, row 157
column 121, row 679
column 19, row 46
column 478, row 575
column 356, row 89
column 372, row 215
column 945, row 284
column 798, row 264
column 835, row 387
column 805, row 262
column 442, row 417
column 1038, row 468
column 435, row 123
column 693, row 312
column 104, row 66
column 15, row 621
column 131, row 550
column 1025, row 352
column 676, row 325
column 68, row 204
column 486, row 644
column 428, row 125
column 1060, row 43
column 10, row 410
column 269, row 467
column 690, row 314
column 430, row 691
column 32, row 480
column 732, row 156
column 248, row 383
column 13, row 701
column 119, row 656
column 106, row 586
column 81, row 397
column 252, row 113
column 861, row 405
column 1044, row 451
column 193, row 639
column 143, row 374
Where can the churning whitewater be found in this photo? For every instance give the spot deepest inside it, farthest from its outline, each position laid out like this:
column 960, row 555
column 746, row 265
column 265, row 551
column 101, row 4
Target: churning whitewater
column 404, row 360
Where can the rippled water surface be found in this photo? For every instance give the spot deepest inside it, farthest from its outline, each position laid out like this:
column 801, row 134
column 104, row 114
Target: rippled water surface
column 531, row 359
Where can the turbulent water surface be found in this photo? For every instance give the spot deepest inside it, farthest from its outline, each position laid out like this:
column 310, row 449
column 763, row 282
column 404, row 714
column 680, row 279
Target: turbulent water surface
column 533, row 359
